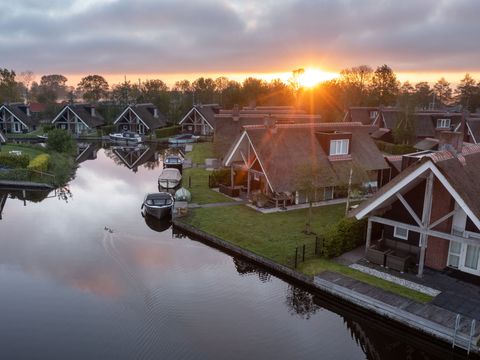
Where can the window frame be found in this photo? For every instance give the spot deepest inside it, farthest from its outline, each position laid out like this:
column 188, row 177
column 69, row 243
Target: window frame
column 399, row 236
column 334, row 147
column 441, row 122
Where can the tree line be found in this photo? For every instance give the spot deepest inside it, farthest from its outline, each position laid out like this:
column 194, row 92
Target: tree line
column 356, row 86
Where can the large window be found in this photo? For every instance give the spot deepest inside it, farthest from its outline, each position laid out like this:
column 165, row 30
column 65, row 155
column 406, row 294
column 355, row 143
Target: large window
column 339, row 147
column 443, row 123
column 373, row 114
column 400, row 233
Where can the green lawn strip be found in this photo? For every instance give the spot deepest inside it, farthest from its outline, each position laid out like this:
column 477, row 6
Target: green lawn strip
column 201, row 193
column 28, row 135
column 274, row 236
column 318, row 265
column 200, row 152
column 30, row 150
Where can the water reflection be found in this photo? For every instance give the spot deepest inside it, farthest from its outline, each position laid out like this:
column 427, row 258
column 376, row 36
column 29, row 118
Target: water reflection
column 145, row 290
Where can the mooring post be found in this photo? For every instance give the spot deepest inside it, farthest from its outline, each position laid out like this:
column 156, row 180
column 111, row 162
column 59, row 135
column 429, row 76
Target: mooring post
column 303, row 253
column 296, row 253
column 316, row 245
column 189, row 182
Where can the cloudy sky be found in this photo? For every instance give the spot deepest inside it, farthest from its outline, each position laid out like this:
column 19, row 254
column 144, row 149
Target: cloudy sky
column 119, row 37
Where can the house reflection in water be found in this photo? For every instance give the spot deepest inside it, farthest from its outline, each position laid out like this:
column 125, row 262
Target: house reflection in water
column 86, row 151
column 133, row 157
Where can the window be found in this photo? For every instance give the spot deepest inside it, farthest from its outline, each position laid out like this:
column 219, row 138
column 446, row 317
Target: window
column 373, row 114
column 443, row 123
column 454, row 254
column 339, row 147
column 400, row 232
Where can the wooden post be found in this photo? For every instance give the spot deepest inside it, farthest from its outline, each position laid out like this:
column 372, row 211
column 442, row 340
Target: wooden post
column 189, row 182
column 303, row 253
column 368, row 239
column 296, row 253
column 248, row 183
column 427, row 210
column 232, row 180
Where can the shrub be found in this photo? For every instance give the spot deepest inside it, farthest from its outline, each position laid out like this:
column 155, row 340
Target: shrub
column 48, row 127
column 39, row 163
column 61, row 141
column 108, row 129
column 343, row 236
column 220, row 176
column 14, row 161
column 167, row 131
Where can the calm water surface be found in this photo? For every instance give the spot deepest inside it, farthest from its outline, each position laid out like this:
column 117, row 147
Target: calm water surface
column 72, row 290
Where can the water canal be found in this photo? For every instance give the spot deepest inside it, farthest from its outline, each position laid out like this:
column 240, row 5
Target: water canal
column 72, row 290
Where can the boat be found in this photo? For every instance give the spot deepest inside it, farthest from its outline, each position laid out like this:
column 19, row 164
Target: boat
column 43, row 137
column 173, row 161
column 126, row 137
column 159, row 205
column 183, row 139
column 169, row 178
column 183, row 194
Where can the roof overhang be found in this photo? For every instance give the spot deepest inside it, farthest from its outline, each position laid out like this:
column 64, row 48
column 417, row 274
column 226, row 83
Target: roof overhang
column 15, row 116
column 131, row 109
column 74, row 113
column 408, row 181
column 199, row 113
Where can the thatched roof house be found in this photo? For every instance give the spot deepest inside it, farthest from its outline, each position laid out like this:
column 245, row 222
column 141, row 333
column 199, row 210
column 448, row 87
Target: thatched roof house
column 271, row 157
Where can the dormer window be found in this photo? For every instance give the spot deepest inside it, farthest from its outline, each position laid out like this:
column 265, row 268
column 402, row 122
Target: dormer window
column 339, row 147
column 373, row 114
column 443, row 124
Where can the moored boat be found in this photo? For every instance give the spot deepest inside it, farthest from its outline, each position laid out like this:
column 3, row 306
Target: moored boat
column 173, row 161
column 126, row 137
column 158, row 205
column 169, row 178
column 183, row 139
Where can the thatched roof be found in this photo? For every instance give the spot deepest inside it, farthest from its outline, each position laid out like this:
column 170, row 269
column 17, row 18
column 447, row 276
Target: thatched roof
column 462, row 172
column 20, row 112
column 228, row 127
column 285, row 148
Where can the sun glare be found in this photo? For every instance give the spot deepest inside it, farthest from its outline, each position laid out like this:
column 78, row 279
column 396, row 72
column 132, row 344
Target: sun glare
column 312, row 77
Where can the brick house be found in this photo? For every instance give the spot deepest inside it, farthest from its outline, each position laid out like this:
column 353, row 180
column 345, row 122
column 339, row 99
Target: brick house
column 78, row 118
column 429, row 213
column 200, row 119
column 140, row 118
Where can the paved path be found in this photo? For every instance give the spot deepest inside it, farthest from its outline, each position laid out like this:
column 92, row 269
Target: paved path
column 229, row 203
column 437, row 316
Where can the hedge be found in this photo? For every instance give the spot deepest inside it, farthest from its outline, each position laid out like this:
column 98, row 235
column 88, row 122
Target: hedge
column 343, row 236
column 39, row 163
column 395, row 149
column 167, row 131
column 220, row 176
column 14, row 161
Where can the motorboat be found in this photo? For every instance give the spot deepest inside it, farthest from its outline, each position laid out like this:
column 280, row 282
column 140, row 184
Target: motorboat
column 169, row 178
column 173, row 161
column 183, row 139
column 183, row 194
column 158, row 205
column 126, row 137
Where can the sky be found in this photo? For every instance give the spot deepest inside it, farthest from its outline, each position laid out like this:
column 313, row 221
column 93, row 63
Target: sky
column 174, row 39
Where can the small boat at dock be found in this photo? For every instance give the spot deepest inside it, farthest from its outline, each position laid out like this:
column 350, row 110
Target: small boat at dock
column 169, row 178
column 183, row 139
column 159, row 205
column 126, row 137
column 173, row 161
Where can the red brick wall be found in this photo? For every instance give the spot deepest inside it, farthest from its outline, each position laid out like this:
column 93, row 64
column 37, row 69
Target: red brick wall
column 437, row 249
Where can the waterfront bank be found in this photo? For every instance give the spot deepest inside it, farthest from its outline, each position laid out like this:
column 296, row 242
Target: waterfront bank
column 375, row 301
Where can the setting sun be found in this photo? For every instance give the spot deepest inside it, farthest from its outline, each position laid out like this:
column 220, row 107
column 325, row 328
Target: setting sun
column 313, row 76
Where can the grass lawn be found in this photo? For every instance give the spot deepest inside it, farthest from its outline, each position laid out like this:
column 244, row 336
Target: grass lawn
column 200, row 152
column 30, row 150
column 276, row 235
column 201, row 193
column 273, row 236
column 318, row 265
column 31, row 134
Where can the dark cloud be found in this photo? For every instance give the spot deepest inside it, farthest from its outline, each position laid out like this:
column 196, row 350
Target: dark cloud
column 168, row 36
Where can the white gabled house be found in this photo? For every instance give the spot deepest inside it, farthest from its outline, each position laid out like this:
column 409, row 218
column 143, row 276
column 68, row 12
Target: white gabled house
column 16, row 118
column 78, row 118
column 140, row 118
column 200, row 120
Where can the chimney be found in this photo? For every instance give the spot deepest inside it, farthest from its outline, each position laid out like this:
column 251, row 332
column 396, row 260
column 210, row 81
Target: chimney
column 92, row 111
column 450, row 140
column 236, row 113
column 155, row 112
column 270, row 124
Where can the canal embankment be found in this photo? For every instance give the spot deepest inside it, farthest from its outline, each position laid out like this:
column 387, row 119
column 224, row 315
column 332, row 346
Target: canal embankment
column 422, row 317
